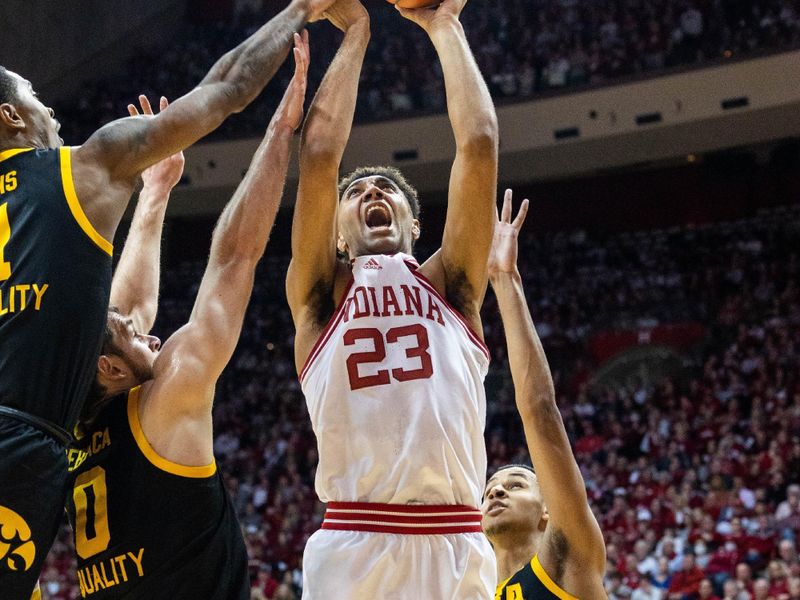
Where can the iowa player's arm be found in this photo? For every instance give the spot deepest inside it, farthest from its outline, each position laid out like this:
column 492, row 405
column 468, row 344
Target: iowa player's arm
column 134, row 289
column 459, row 270
column 105, row 167
column 583, row 557
column 312, row 282
column 175, row 407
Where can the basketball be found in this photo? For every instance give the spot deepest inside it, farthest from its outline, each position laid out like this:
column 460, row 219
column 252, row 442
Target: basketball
column 414, row 3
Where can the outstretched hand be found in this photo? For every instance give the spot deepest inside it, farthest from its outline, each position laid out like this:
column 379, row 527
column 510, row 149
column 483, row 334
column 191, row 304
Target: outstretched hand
column 168, row 172
column 290, row 110
column 505, row 244
column 429, row 18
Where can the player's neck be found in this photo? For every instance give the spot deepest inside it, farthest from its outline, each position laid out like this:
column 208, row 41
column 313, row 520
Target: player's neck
column 17, row 141
column 513, row 551
column 119, row 387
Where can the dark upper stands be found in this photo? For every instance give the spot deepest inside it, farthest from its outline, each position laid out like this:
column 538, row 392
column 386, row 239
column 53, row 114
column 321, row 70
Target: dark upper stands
column 523, row 47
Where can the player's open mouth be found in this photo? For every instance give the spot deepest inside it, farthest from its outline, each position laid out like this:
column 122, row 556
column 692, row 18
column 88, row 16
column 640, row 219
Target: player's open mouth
column 378, row 215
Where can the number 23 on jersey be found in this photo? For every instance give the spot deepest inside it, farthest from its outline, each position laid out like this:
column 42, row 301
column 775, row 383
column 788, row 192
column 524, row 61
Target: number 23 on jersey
column 417, row 362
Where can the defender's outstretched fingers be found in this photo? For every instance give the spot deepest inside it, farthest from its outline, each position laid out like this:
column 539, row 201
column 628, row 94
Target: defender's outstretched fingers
column 145, row 104
column 507, row 204
column 300, row 56
column 521, row 214
column 147, row 109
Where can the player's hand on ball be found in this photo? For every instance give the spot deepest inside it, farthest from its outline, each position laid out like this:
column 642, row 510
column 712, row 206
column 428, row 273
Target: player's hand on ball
column 345, row 13
column 168, row 172
column 503, row 256
column 429, row 18
column 290, row 111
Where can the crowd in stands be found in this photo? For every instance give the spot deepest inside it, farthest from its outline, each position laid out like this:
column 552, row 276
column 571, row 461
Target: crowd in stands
column 523, row 48
column 694, row 478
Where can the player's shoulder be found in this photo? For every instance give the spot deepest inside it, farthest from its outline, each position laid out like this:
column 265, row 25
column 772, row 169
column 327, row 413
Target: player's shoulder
column 433, row 270
column 28, row 157
column 9, row 153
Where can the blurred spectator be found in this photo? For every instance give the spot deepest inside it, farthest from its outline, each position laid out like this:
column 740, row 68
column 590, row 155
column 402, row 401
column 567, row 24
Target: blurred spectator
column 706, row 591
column 761, row 589
column 685, row 583
column 647, row 591
column 744, row 577
column 794, row 589
column 791, row 506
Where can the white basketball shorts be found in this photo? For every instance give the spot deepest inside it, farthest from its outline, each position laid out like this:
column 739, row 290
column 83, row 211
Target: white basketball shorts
column 368, row 551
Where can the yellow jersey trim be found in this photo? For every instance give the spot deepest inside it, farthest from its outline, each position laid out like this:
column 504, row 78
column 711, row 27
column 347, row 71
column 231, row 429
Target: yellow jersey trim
column 501, row 586
column 551, row 585
column 13, row 152
column 75, row 206
column 153, row 456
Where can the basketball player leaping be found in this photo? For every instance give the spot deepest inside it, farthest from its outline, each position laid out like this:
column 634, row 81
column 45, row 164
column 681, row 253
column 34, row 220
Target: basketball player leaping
column 59, row 209
column 150, row 515
column 547, row 540
column 390, row 353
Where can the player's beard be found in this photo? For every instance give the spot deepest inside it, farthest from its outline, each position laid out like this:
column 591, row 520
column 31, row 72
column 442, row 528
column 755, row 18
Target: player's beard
column 141, row 370
column 498, row 529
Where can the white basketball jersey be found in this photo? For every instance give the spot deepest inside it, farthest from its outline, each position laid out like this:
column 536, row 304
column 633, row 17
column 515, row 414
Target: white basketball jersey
column 394, row 388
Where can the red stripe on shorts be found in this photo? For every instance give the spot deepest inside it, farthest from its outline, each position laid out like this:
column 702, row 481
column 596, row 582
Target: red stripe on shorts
column 401, row 518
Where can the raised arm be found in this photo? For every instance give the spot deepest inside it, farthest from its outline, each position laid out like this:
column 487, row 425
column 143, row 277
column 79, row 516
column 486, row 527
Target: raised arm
column 186, row 371
column 134, row 289
column 114, row 156
column 473, row 179
column 561, row 482
column 310, row 280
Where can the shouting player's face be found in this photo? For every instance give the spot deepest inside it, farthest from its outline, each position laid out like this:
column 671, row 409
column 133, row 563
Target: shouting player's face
column 375, row 218
column 512, row 503
column 30, row 118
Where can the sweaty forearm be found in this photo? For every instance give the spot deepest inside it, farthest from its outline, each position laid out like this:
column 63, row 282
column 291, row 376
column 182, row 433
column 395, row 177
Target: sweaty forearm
column 526, row 357
column 330, row 117
column 134, row 290
column 243, row 229
column 245, row 70
column 469, row 103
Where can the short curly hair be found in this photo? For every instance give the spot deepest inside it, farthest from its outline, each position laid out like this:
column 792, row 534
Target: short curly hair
column 409, row 191
column 8, row 86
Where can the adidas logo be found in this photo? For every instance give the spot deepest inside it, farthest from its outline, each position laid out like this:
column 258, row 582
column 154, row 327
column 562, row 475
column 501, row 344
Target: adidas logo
column 372, row 264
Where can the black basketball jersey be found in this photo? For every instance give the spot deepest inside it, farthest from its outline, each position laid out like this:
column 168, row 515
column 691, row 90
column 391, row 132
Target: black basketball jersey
column 55, row 281
column 531, row 582
column 146, row 528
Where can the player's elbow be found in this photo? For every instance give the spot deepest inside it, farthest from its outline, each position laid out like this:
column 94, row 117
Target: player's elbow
column 483, row 140
column 313, row 158
column 539, row 403
column 244, row 257
column 235, row 97
column 237, row 257
column 317, row 151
